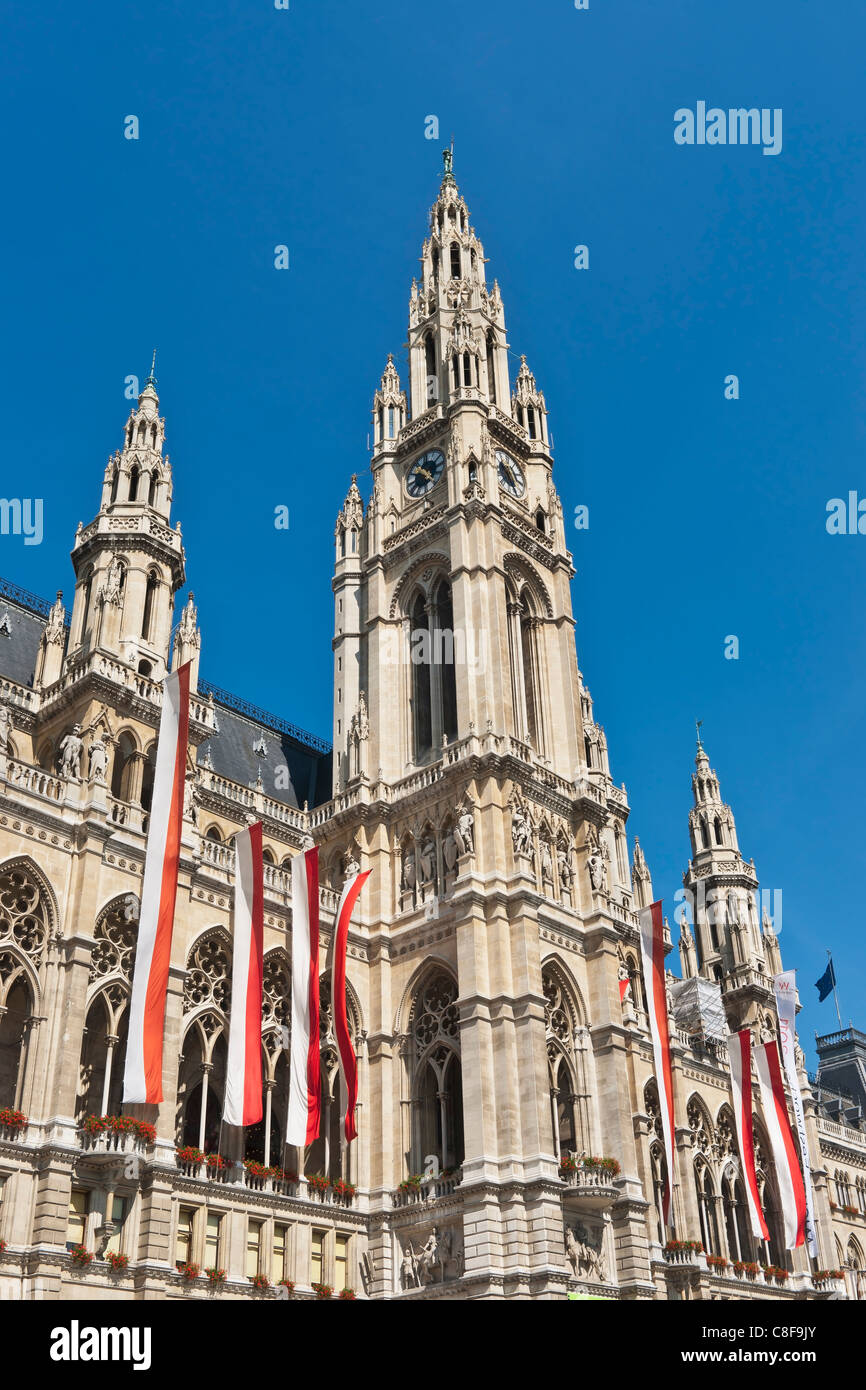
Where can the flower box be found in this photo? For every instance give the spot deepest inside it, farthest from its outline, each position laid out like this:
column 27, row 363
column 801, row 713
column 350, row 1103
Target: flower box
column 81, row 1257
column 118, row 1263
column 680, row 1247
column 602, row 1165
column 747, row 1267
column 343, row 1189
column 94, row 1125
column 189, row 1154
column 216, row 1163
column 318, row 1183
column 717, row 1262
column 13, row 1119
column 188, row 1272
column 821, row 1274
column 261, row 1170
column 322, row 1290
column 410, row 1184
column 3, row 1247
column 260, row 1282
column 346, row 1293
column 288, row 1285
column 773, row 1272
column 215, row 1276
column 851, row 1211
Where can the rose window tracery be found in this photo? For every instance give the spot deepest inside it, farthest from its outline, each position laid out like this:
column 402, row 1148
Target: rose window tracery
column 276, row 992
column 698, row 1127
column 435, row 1014
column 207, row 981
column 23, row 913
column 116, row 934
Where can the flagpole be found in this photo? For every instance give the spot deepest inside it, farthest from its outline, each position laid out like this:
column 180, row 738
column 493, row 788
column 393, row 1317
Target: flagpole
column 835, row 995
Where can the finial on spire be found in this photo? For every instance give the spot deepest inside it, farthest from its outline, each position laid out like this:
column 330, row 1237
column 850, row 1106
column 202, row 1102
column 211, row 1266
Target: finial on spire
column 151, row 380
column 698, row 723
column 448, row 161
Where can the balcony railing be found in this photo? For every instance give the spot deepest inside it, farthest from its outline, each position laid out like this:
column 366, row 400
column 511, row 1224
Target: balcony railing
column 426, row 1191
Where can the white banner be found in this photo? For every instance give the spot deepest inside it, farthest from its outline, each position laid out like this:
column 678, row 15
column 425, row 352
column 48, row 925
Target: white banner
column 785, row 989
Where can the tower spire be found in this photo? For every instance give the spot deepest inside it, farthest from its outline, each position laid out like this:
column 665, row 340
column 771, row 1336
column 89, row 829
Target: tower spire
column 151, row 380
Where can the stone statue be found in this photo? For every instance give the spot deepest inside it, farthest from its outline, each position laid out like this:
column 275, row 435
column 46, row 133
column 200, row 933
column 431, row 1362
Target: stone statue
column 563, row 864
column 351, row 865
column 190, row 798
column 521, row 830
column 449, row 850
column 5, row 726
column 98, row 764
column 464, row 832
column 428, row 861
column 111, row 592
column 546, row 862
column 598, row 869
column 409, row 1275
column 409, row 867
column 187, row 630
column 363, row 720
column 429, row 1256
column 71, row 747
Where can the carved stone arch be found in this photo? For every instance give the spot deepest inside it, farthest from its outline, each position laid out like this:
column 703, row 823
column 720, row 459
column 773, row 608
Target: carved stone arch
column 276, row 989
column 413, row 577
column 207, row 1025
column 431, row 966
column 700, row 1123
column 725, row 1131
column 116, row 935
column 23, row 865
column 15, row 967
column 523, row 576
column 554, row 966
column 208, row 978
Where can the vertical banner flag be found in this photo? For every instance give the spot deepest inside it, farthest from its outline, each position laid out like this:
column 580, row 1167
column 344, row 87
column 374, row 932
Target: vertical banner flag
column 740, row 1058
column 652, row 944
column 785, row 988
column 351, row 889
column 243, row 1102
column 791, row 1190
column 305, row 1081
column 142, row 1080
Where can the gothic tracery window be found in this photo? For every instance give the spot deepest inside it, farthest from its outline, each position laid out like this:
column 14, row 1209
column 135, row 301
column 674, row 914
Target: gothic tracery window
column 433, row 671
column 25, row 920
column 567, row 1091
column 437, row 1087
column 207, row 997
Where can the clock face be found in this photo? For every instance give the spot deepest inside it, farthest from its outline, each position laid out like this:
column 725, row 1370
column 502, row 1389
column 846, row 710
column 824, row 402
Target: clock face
column 510, row 474
column 425, row 472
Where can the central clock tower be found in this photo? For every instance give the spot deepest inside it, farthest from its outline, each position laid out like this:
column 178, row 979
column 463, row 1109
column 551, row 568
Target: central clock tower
column 453, row 610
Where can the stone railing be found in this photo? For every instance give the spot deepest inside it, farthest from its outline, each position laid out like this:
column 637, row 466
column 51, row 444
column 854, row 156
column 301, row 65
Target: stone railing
column 690, row 1259
column 837, row 1131
column 429, row 1190
column 35, row 780
column 591, row 1182
column 18, row 695
column 830, row 1288
column 110, row 1142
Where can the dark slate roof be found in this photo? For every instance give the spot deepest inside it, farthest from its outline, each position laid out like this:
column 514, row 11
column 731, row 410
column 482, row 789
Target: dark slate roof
column 251, row 740
column 241, row 725
column 22, row 618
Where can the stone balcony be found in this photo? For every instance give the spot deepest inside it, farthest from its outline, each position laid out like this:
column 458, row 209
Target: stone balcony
column 589, row 1189
column 429, row 1191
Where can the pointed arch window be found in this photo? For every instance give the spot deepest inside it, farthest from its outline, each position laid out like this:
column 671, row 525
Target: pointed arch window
column 491, row 368
column 455, row 260
column 434, row 678
column 705, row 838
column 149, row 599
column 134, row 476
column 430, row 368
column 530, row 675
column 85, row 607
column 151, row 492
column 436, row 1080
column 717, row 826
column 115, row 479
column 569, row 1116
column 123, row 770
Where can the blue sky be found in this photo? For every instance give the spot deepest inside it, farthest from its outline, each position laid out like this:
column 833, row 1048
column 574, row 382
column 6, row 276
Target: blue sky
column 707, row 516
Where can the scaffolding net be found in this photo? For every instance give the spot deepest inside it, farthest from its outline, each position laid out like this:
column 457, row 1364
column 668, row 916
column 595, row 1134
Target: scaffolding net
column 698, row 1008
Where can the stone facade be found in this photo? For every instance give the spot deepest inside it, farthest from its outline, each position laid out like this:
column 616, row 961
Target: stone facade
column 486, row 959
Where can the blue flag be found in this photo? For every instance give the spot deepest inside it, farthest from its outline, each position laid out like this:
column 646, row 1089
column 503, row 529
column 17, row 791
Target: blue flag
column 827, row 983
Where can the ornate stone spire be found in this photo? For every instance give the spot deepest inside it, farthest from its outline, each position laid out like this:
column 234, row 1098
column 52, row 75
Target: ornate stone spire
column 641, row 882
column 389, row 408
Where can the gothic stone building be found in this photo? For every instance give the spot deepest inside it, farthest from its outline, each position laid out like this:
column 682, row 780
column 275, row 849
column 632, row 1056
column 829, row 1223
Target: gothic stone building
column 469, row 774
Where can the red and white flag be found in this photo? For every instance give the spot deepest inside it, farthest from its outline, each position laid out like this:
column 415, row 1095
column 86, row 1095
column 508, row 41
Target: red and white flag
column 351, row 889
column 142, row 1080
column 243, row 1102
column 740, row 1058
column 305, row 1081
column 652, row 944
column 791, row 1190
